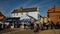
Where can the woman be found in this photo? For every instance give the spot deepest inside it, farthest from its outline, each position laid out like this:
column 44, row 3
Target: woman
column 35, row 28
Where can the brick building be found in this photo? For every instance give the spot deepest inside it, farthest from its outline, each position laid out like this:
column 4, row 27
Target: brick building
column 54, row 14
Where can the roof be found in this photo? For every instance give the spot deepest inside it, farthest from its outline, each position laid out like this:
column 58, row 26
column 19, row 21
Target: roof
column 54, row 9
column 1, row 15
column 44, row 17
column 13, row 18
column 25, row 10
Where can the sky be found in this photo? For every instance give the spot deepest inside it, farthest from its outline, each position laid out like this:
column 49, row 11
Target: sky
column 7, row 6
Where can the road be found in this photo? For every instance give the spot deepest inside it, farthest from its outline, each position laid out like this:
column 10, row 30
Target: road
column 19, row 31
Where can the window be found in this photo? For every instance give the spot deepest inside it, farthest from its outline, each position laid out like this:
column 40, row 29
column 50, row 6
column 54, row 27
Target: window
column 14, row 14
column 17, row 13
column 59, row 17
column 21, row 13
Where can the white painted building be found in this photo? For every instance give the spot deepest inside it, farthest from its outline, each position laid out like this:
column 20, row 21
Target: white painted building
column 26, row 13
column 23, row 12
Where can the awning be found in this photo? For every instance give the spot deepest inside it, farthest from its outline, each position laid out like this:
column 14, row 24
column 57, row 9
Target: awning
column 17, row 20
column 26, row 20
column 12, row 20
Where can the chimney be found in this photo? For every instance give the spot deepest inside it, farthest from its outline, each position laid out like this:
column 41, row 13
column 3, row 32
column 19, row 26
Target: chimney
column 21, row 8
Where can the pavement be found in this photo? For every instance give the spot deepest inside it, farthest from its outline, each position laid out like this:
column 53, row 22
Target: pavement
column 22, row 31
column 53, row 31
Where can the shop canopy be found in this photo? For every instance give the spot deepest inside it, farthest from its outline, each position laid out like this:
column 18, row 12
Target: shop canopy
column 12, row 20
column 17, row 20
column 25, row 20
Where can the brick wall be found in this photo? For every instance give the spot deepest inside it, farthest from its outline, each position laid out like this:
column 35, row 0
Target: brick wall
column 54, row 13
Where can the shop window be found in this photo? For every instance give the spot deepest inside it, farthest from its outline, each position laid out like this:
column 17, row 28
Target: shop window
column 59, row 17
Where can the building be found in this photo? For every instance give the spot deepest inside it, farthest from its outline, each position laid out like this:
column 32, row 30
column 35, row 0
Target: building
column 2, row 16
column 26, row 13
column 44, row 19
column 12, row 21
column 54, row 14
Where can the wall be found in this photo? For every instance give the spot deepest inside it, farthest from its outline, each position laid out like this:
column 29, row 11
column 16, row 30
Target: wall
column 54, row 13
column 23, row 15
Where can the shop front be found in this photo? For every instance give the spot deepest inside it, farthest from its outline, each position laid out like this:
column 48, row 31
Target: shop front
column 12, row 22
column 16, row 23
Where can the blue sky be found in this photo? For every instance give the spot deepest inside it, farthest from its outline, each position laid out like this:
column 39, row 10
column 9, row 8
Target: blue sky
column 6, row 6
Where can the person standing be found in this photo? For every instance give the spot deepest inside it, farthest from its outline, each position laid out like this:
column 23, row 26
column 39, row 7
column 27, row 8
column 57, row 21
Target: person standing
column 35, row 28
column 47, row 25
column 59, row 24
column 24, row 26
column 32, row 26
